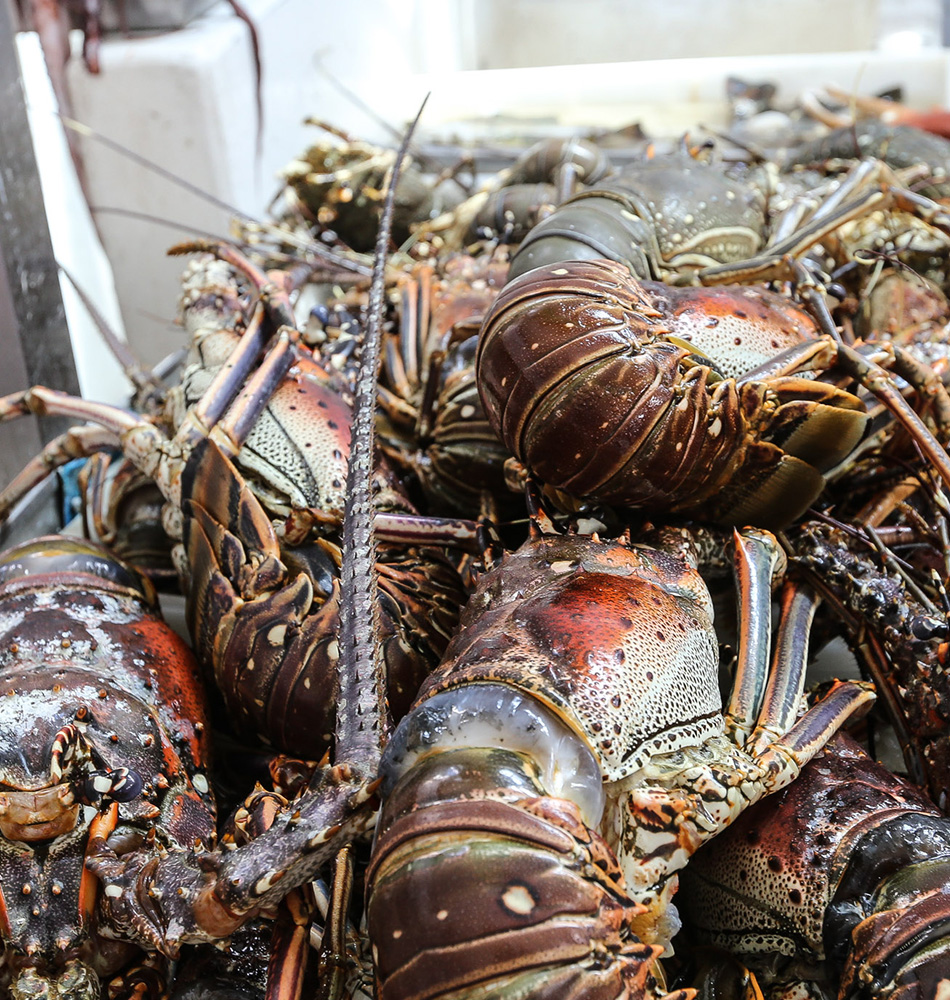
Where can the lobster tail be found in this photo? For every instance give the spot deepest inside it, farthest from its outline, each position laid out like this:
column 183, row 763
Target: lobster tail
column 482, row 886
column 901, row 945
column 602, row 386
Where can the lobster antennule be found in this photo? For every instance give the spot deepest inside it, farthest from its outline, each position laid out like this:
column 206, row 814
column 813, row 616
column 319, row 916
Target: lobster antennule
column 360, row 726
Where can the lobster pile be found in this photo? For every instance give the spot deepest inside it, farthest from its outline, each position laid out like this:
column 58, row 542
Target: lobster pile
column 457, row 545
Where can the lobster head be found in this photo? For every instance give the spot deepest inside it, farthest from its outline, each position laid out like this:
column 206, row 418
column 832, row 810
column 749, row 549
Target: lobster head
column 83, row 752
column 575, row 621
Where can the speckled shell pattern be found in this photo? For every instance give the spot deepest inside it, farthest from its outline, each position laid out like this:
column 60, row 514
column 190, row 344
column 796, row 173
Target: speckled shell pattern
column 295, row 454
column 265, row 621
column 844, row 873
column 617, row 640
column 478, row 883
column 605, row 389
column 916, row 664
column 661, row 216
column 82, row 649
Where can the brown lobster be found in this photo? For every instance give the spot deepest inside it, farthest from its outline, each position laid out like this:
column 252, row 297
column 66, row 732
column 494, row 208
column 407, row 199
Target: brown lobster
column 577, row 714
column 611, row 390
column 432, row 425
column 845, row 876
column 898, row 629
column 270, row 641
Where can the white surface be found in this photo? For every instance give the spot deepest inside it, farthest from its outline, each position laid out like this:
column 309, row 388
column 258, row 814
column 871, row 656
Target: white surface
column 511, row 33
column 670, row 95
column 75, row 243
column 186, row 101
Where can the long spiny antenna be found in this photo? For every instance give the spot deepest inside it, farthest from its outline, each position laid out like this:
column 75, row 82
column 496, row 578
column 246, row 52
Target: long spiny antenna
column 360, row 711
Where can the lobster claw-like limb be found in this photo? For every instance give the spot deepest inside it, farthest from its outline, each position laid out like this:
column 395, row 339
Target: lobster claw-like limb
column 163, row 898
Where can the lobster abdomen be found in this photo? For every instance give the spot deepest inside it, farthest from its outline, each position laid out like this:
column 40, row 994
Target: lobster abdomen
column 510, row 891
column 587, row 376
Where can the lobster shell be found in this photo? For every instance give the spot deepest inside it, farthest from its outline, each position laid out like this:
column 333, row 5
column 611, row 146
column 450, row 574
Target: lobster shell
column 585, row 373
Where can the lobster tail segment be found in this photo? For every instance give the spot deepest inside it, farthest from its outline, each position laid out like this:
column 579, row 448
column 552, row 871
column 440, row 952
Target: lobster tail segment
column 499, row 891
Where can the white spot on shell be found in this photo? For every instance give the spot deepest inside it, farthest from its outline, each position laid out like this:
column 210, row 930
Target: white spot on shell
column 276, row 635
column 517, row 899
column 397, row 934
column 333, row 650
column 715, row 427
column 467, row 411
column 559, row 271
column 201, row 784
column 113, row 891
column 442, row 914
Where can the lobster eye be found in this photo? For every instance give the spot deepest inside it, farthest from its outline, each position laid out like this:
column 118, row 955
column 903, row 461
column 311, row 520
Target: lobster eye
column 925, row 627
column 121, row 785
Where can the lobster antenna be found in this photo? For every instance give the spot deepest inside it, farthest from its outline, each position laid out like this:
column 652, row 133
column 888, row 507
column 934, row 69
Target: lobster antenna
column 360, row 712
column 143, row 380
column 143, row 161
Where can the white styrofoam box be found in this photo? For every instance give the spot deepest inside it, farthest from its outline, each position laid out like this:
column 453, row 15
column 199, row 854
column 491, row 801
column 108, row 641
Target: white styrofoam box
column 186, row 101
column 76, row 245
column 668, row 96
column 511, row 33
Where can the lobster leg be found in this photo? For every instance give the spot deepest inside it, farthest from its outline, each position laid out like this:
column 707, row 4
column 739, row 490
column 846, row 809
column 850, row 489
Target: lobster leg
column 77, row 442
column 783, row 694
column 875, row 186
column 680, row 804
column 825, row 352
column 756, row 559
column 875, row 379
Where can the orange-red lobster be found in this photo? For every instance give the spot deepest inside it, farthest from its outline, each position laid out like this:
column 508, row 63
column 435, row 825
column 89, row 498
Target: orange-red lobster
column 102, row 737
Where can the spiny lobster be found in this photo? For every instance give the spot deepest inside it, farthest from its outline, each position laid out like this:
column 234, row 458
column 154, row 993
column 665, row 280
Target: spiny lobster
column 271, row 644
column 685, row 219
column 162, row 895
column 580, row 695
column 899, row 631
column 103, row 739
column 612, row 390
column 838, row 886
